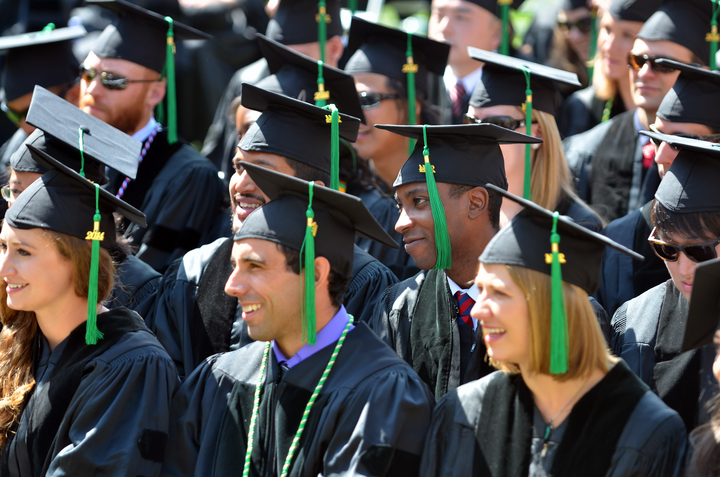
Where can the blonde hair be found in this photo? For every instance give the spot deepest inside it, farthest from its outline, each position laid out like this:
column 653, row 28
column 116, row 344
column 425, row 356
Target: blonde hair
column 587, row 348
column 19, row 328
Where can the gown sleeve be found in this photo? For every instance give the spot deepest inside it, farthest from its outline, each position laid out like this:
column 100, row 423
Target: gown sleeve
column 366, row 288
column 118, row 420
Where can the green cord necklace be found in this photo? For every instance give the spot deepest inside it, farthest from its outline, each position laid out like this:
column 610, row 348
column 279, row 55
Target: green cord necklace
column 607, row 110
column 308, row 407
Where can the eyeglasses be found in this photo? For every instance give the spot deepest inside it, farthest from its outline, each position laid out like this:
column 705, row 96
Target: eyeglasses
column 370, row 100
column 636, row 62
column 503, row 121
column 109, row 80
column 675, row 147
column 583, row 25
column 697, row 252
column 14, row 116
column 10, row 194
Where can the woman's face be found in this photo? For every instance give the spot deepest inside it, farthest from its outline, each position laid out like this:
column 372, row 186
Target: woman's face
column 36, row 277
column 502, row 311
column 576, row 39
column 615, row 40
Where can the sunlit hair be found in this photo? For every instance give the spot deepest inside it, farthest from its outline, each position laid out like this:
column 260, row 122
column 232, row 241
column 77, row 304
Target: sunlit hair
column 605, row 88
column 587, row 348
column 19, row 328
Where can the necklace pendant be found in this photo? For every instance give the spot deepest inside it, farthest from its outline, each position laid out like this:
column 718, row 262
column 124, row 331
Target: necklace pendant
column 544, row 451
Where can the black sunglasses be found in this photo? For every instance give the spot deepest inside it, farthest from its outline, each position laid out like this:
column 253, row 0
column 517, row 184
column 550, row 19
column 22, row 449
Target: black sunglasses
column 675, row 147
column 109, row 80
column 370, row 100
column 636, row 62
column 505, row 122
column 697, row 252
column 583, row 25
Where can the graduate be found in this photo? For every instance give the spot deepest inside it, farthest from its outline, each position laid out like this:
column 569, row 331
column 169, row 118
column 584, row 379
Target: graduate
column 686, row 231
column 87, row 389
column 193, row 317
column 541, row 171
column 560, row 404
column 447, row 216
column 315, row 394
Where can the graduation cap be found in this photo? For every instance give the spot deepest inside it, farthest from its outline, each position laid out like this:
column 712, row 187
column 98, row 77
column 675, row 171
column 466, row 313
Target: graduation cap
column 44, row 57
column 296, row 21
column 569, row 5
column 77, row 139
column 467, row 154
column 296, row 75
column 64, row 201
column 693, row 96
column 704, row 314
column 690, row 185
column 634, row 10
column 147, row 39
column 681, row 22
column 313, row 220
column 297, row 130
column 542, row 240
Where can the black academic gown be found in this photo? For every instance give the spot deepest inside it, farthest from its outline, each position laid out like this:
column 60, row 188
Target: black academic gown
column 485, row 428
column 370, row 419
column 100, row 410
column 583, row 110
column 194, row 318
column 181, row 195
column 647, row 333
column 135, row 287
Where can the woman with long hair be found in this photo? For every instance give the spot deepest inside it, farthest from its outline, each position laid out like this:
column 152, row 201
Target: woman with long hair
column 84, row 390
column 560, row 404
column 500, row 98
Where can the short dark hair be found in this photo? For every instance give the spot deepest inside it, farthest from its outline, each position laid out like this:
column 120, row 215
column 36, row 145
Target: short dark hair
column 701, row 225
column 494, row 202
column 338, row 284
column 307, row 172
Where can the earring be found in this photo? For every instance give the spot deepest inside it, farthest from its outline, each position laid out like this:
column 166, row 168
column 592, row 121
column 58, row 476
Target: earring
column 535, row 147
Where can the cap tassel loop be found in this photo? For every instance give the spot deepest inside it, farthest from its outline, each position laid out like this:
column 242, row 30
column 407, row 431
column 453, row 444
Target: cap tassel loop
column 505, row 19
column 442, row 237
column 308, row 252
column 81, row 134
column 171, row 93
column 592, row 47
column 558, row 318
column 322, row 19
column 46, row 29
column 713, row 37
column 334, row 120
column 92, row 333
column 527, row 181
column 410, row 68
column 321, row 96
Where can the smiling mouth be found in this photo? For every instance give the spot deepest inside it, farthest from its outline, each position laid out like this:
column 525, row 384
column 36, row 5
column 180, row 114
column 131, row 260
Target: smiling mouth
column 245, row 205
column 494, row 331
column 251, row 308
column 16, row 287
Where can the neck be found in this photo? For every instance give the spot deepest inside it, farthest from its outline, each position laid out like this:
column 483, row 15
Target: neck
column 144, row 120
column 57, row 324
column 292, row 343
column 465, row 259
column 625, row 93
column 646, row 117
column 465, row 68
column 388, row 165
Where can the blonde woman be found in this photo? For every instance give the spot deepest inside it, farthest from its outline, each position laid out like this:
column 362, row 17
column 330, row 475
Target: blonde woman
column 499, row 99
column 558, row 406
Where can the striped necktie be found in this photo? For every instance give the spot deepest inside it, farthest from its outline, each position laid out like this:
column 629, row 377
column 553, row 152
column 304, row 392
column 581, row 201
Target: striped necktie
column 465, row 304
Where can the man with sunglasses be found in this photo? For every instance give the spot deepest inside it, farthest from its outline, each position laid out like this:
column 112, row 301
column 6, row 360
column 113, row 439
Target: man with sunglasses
column 613, row 164
column 648, row 330
column 686, row 111
column 176, row 188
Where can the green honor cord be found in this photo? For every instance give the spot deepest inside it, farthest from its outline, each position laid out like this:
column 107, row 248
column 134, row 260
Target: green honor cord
column 527, row 181
column 593, row 43
column 322, row 19
column 92, row 333
column 505, row 19
column 442, row 237
column 558, row 317
column 308, row 252
column 410, row 68
column 713, row 37
column 321, row 95
column 306, row 413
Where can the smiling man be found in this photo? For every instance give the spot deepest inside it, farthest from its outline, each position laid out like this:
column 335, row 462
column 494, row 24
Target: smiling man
column 426, row 318
column 365, row 416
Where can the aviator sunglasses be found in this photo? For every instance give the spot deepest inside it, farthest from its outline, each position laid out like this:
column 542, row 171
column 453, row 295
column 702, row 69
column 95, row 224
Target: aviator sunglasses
column 505, row 122
column 636, row 62
column 370, row 100
column 697, row 252
column 109, row 80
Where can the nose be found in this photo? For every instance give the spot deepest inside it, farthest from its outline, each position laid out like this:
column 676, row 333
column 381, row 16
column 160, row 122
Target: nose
column 645, row 71
column 403, row 223
column 686, row 267
column 665, row 155
column 244, row 184
column 236, row 286
column 481, row 310
column 6, row 267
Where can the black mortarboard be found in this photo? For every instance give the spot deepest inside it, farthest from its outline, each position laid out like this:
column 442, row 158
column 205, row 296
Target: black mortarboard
column 379, row 49
column 291, row 128
column 525, row 241
column 58, row 126
column 295, row 22
column 634, row 10
column 45, row 58
column 493, row 6
column 339, row 218
column 503, row 82
column 693, row 97
column 63, row 201
column 569, row 5
column 466, row 154
column 295, row 75
column 139, row 35
column 704, row 314
column 690, row 185
column 681, row 22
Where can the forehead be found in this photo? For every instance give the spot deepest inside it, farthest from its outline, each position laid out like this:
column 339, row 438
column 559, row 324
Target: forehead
column 664, row 48
column 114, row 65
column 669, row 127
column 256, row 249
column 411, row 188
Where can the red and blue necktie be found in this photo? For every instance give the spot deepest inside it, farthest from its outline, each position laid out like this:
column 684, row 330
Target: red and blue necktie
column 465, row 304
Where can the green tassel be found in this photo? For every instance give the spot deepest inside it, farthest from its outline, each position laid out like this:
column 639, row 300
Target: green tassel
column 505, row 19
column 81, row 133
column 46, row 29
column 92, row 333
column 593, row 43
column 442, row 237
column 527, row 181
column 321, row 96
column 410, row 68
column 170, row 70
column 308, row 252
column 558, row 317
column 334, row 120
column 713, row 37
column 322, row 20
